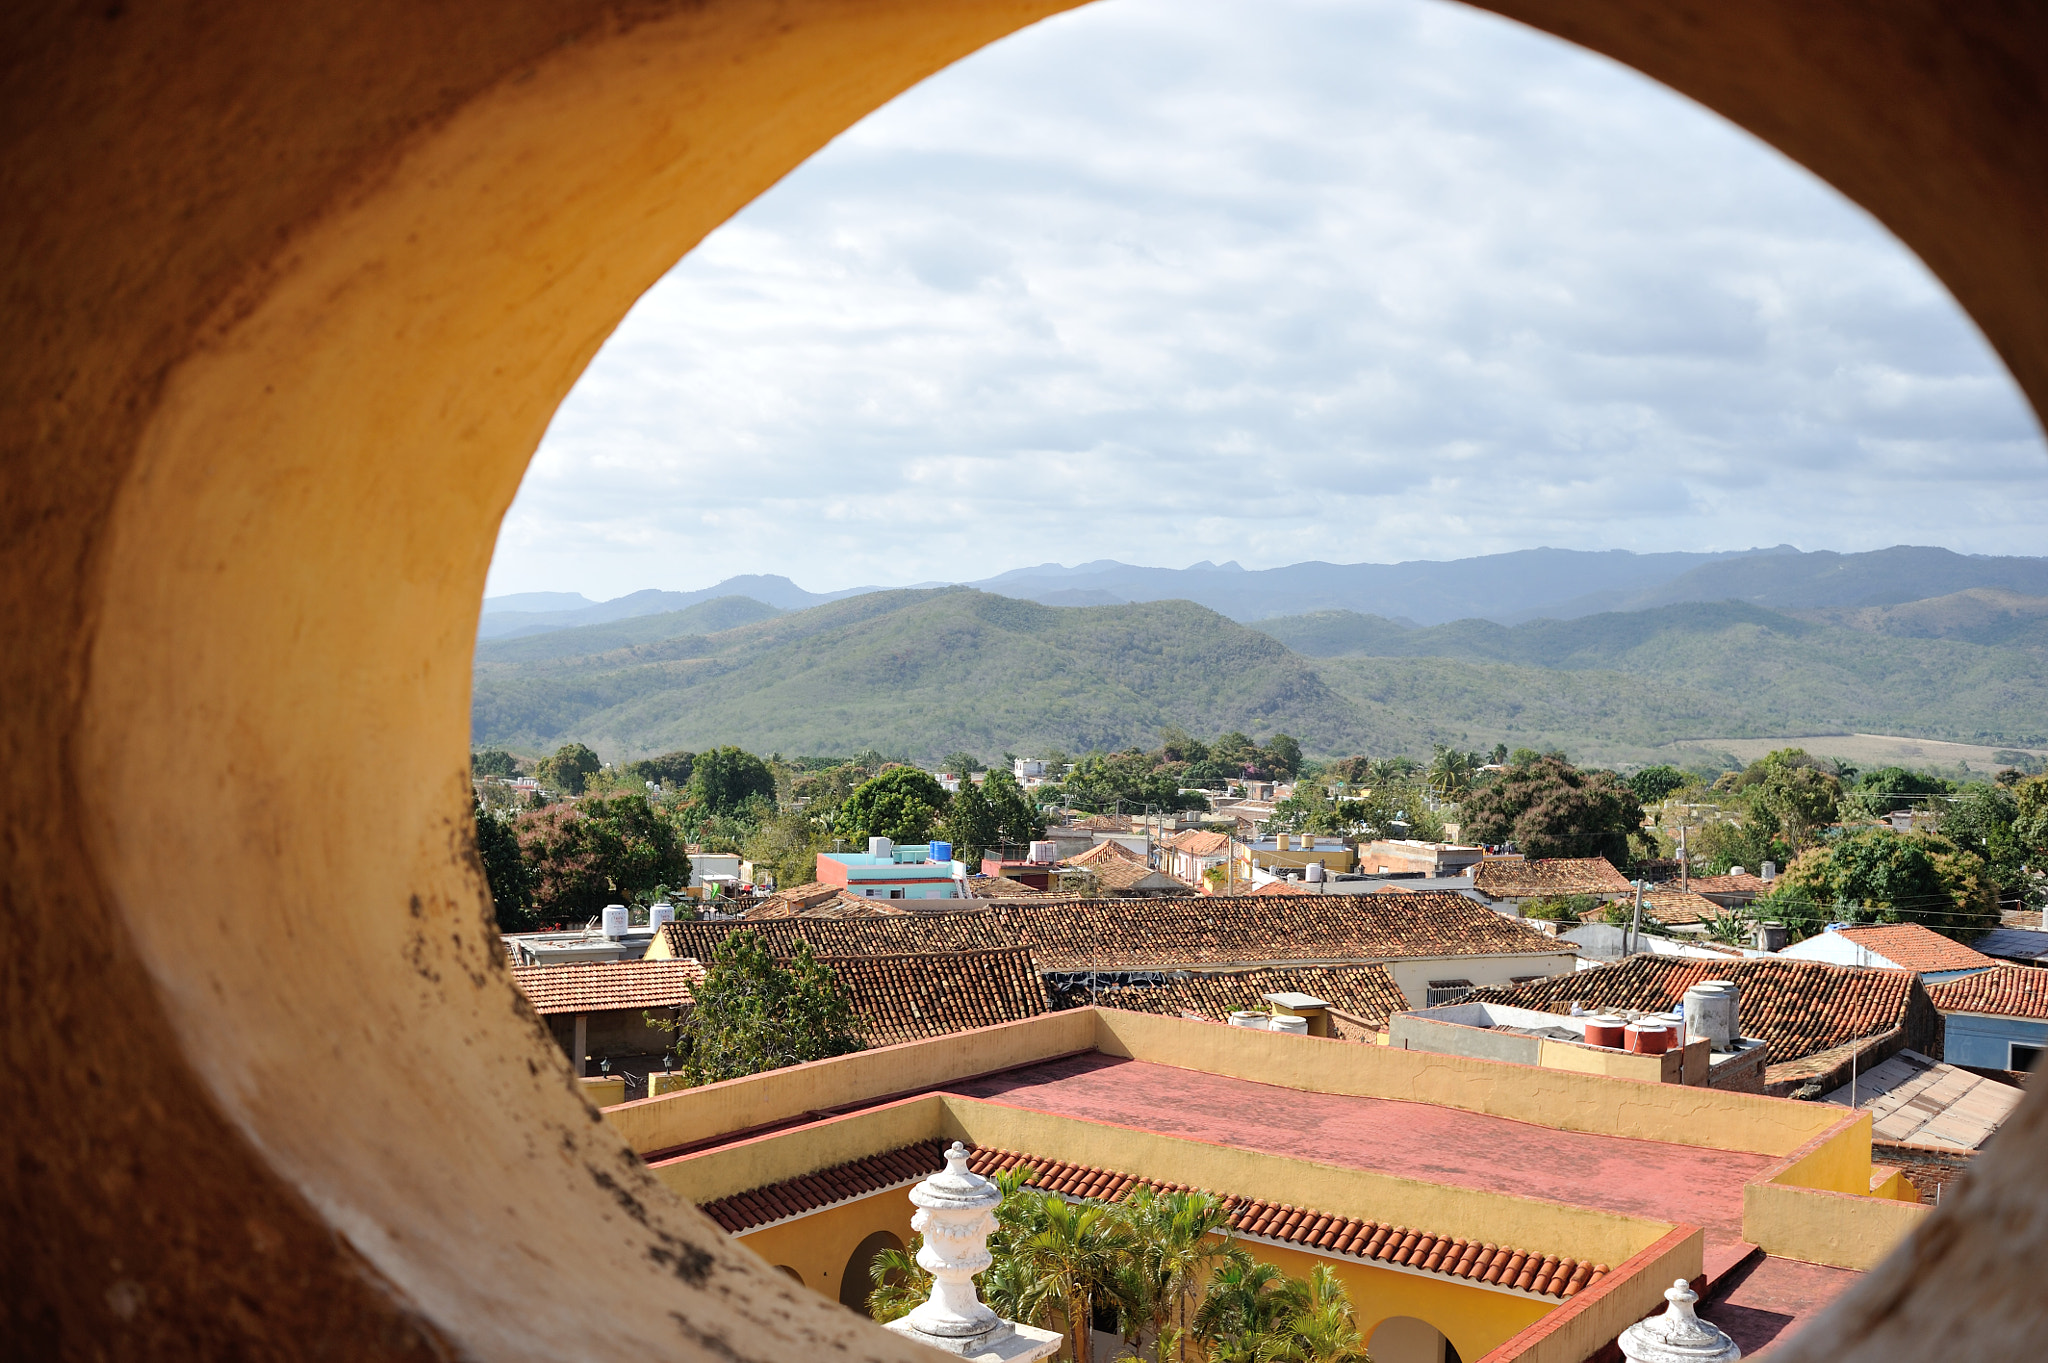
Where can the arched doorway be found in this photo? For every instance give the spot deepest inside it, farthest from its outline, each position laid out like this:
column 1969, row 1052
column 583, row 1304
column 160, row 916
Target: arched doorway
column 858, row 1280
column 292, row 303
column 1409, row 1339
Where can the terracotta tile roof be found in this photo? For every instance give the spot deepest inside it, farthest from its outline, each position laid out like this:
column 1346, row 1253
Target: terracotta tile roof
column 1673, row 906
column 1367, row 992
column 2013, row 991
column 759, row 1207
column 1507, row 878
column 1176, row 933
column 1200, row 842
column 927, row 994
column 887, row 935
column 1313, row 1231
column 1913, row 947
column 1104, row 823
column 1273, row 887
column 1117, row 868
column 1795, row 1007
column 794, row 899
column 608, row 986
column 1742, row 884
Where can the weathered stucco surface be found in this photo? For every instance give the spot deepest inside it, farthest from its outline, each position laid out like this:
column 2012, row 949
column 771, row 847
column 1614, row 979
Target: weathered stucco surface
column 290, row 293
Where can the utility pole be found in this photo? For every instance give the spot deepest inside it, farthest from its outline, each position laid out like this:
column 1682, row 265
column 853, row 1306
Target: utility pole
column 1635, row 931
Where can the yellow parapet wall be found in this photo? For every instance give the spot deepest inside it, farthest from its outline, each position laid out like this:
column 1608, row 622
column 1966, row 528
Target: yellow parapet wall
column 670, row 1120
column 1818, row 1204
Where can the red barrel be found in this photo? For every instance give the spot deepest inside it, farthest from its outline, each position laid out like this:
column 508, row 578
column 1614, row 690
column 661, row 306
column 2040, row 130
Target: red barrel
column 1647, row 1038
column 1604, row 1031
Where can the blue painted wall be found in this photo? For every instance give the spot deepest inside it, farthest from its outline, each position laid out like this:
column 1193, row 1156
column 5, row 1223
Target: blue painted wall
column 1986, row 1042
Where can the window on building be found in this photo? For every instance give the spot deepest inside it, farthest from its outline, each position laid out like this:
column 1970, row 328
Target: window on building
column 2024, row 1057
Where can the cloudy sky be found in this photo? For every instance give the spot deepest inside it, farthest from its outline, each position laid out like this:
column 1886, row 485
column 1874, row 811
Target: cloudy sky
column 1369, row 280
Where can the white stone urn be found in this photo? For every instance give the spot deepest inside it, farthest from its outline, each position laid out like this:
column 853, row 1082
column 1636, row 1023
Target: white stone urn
column 1678, row 1336
column 955, row 1215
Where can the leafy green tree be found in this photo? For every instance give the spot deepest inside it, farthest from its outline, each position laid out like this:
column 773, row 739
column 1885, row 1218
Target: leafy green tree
column 670, row 771
column 1653, row 784
column 1716, row 848
column 569, row 769
column 1562, row 908
column 972, row 824
column 753, row 1013
column 1877, row 875
column 492, row 762
column 902, row 804
column 601, row 851
column 1890, row 789
column 1800, row 798
column 1283, row 756
column 963, row 764
column 1549, row 808
column 1129, row 780
column 1017, row 819
column 1177, row 745
column 497, row 847
column 724, row 779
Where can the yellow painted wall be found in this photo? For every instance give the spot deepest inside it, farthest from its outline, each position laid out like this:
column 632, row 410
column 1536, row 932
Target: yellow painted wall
column 1679, row 1114
column 1474, row 1319
column 1668, row 1068
column 728, row 1169
column 1819, row 1205
column 603, row 1089
column 1845, row 1230
column 674, row 1119
column 818, row 1246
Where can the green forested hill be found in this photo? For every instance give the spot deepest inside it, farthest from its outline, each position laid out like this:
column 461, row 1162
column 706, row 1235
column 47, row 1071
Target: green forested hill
column 923, row 673
column 706, row 617
column 1779, row 674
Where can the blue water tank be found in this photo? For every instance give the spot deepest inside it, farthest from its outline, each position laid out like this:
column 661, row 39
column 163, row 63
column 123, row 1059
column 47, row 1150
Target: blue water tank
column 942, row 851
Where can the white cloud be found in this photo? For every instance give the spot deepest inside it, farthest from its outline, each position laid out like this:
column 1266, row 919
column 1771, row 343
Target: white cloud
column 1165, row 280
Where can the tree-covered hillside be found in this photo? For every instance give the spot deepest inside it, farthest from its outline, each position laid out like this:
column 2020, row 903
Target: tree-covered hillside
column 1779, row 674
column 924, row 673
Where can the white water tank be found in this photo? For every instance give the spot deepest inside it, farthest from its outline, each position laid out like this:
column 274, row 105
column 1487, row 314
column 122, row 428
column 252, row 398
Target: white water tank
column 1315, row 874
column 614, row 920
column 1257, row 1021
column 1045, row 851
column 1280, row 1022
column 659, row 914
column 1713, row 1011
column 881, row 849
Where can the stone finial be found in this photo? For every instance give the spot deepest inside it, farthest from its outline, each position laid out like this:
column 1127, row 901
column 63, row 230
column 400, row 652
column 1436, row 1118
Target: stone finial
column 955, row 1215
column 1678, row 1336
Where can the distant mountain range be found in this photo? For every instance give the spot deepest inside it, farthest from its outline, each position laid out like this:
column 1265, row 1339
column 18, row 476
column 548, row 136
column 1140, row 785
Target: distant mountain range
column 1508, row 589
column 920, row 673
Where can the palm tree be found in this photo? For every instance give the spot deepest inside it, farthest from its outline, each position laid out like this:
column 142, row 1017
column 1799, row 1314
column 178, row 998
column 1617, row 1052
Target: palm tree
column 1180, row 1239
column 1244, row 1302
column 901, row 1283
column 1073, row 1260
column 1450, row 772
column 1319, row 1328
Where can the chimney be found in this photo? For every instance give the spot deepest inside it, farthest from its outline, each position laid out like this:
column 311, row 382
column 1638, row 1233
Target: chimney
column 1768, row 871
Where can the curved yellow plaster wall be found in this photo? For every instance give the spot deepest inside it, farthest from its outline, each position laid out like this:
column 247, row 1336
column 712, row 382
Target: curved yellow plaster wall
column 290, row 295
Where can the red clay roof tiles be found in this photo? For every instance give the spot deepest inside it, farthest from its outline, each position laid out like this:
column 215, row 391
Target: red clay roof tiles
column 911, row 997
column 1913, row 947
column 2013, row 991
column 1508, row 878
column 1175, row 933
column 608, row 986
column 892, row 935
column 1795, row 1007
column 1475, row 1261
column 1365, row 991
